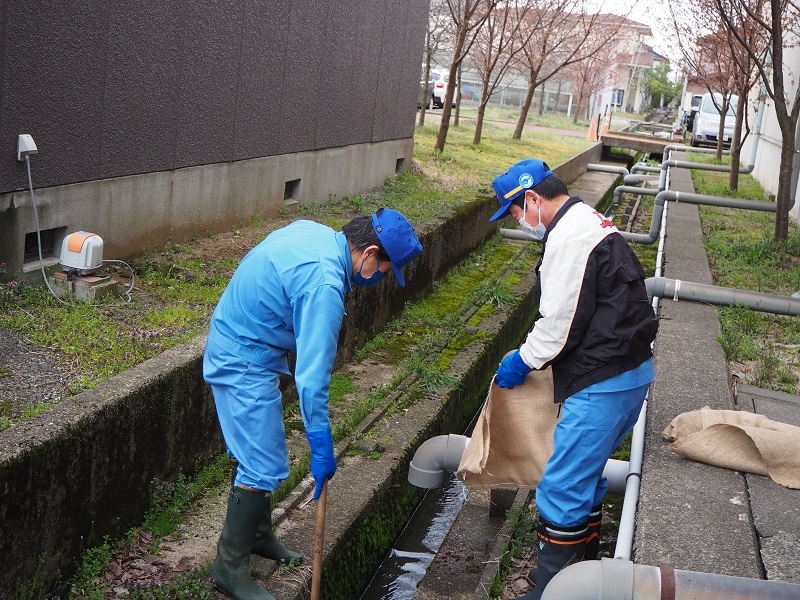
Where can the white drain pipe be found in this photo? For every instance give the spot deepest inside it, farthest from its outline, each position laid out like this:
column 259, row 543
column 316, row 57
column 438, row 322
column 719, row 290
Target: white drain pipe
column 613, row 579
column 440, row 455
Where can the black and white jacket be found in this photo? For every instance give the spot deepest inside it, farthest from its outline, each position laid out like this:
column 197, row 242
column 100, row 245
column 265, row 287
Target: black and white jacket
column 595, row 320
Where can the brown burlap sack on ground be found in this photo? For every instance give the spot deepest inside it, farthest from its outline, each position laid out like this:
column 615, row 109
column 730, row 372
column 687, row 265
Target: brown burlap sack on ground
column 513, row 437
column 738, row 440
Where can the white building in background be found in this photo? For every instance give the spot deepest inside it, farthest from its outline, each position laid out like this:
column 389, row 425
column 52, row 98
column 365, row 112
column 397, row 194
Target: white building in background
column 634, row 56
column 762, row 148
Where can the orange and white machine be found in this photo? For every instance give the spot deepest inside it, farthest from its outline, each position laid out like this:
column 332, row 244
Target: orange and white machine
column 82, row 251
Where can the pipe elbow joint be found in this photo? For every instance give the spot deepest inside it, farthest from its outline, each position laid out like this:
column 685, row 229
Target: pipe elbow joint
column 434, row 458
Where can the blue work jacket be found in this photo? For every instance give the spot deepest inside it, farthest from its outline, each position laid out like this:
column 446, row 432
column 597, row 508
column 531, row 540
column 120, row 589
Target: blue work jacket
column 287, row 294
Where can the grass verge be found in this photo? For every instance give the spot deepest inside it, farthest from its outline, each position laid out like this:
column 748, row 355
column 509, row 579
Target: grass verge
column 762, row 349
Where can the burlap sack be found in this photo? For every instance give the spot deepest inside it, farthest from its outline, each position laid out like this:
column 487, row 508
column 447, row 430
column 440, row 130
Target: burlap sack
column 513, row 437
column 738, row 440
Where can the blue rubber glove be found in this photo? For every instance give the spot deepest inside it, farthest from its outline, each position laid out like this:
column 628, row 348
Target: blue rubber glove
column 512, row 371
column 323, row 460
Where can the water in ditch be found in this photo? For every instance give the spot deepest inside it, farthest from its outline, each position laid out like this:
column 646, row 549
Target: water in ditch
column 412, row 553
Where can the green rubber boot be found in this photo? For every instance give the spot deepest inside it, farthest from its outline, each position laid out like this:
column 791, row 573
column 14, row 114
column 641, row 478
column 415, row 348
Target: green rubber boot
column 231, row 568
column 266, row 543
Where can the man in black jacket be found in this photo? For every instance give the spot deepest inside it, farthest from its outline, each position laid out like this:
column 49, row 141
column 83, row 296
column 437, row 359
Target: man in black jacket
column 595, row 328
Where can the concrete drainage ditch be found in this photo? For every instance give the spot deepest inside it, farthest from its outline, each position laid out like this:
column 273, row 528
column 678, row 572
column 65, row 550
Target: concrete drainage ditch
column 86, row 473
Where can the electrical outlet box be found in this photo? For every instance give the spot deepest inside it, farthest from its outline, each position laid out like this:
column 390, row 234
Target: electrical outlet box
column 25, row 146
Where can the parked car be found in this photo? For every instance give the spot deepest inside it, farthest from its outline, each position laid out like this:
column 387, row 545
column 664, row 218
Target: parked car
column 429, row 100
column 705, row 127
column 440, row 78
column 688, row 116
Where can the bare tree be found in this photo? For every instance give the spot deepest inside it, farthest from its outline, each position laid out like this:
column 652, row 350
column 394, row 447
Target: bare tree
column 757, row 25
column 436, row 32
column 591, row 74
column 497, row 44
column 722, row 64
column 769, row 20
column 713, row 64
column 560, row 34
column 468, row 16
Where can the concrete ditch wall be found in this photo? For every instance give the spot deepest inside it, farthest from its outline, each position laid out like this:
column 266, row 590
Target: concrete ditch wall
column 84, row 469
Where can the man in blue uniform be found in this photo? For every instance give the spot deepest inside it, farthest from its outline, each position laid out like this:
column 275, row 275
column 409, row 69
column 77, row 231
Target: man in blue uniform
column 286, row 295
column 595, row 328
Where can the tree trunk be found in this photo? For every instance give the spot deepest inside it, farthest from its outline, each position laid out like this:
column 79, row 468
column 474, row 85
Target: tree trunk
column 558, row 97
column 736, row 144
column 526, row 106
column 458, row 99
column 542, row 99
column 782, row 199
column 721, row 130
column 425, row 90
column 476, row 139
column 444, row 126
column 577, row 108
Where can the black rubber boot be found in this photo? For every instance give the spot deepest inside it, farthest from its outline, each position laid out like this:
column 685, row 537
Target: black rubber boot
column 593, row 541
column 558, row 548
column 231, row 568
column 266, row 543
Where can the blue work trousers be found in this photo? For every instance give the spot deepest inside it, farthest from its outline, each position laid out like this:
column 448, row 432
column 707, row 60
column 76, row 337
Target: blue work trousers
column 593, row 423
column 250, row 412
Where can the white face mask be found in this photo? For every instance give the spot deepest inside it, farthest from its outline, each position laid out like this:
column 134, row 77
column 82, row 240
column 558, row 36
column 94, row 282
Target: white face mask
column 535, row 233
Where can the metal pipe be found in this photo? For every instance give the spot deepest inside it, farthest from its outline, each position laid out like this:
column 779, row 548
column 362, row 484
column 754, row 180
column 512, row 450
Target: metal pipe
column 607, row 169
column 516, row 234
column 757, row 126
column 627, row 189
column 442, row 454
column 635, row 178
column 724, row 201
column 645, row 168
column 668, row 195
column 684, row 148
column 703, row 166
column 612, row 579
column 719, row 296
column 665, row 165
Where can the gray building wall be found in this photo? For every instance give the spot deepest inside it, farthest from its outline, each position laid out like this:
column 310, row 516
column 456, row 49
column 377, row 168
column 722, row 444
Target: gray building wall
column 169, row 119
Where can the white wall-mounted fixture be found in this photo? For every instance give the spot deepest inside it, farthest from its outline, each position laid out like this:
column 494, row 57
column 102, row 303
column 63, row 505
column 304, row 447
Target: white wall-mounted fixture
column 25, row 146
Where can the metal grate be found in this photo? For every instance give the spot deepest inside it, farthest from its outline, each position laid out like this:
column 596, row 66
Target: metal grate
column 32, row 245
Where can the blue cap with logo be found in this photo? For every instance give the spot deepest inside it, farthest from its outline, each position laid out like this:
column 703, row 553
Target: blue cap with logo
column 397, row 238
column 513, row 183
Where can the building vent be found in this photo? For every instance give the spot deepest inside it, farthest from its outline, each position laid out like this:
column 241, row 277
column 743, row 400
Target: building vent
column 291, row 190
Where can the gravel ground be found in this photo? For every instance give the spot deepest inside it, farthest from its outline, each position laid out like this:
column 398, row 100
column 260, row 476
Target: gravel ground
column 29, row 376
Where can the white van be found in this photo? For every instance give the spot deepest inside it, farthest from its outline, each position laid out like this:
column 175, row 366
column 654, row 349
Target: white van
column 705, row 128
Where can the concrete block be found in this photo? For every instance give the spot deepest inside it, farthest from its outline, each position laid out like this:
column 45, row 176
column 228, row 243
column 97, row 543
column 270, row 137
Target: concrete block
column 86, row 288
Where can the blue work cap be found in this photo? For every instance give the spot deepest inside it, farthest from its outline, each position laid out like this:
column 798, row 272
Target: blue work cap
column 519, row 177
column 397, row 238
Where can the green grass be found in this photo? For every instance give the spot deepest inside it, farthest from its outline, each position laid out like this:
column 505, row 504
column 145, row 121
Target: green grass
column 742, row 254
